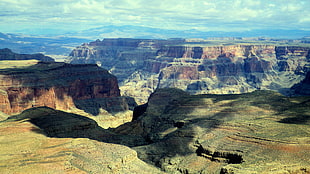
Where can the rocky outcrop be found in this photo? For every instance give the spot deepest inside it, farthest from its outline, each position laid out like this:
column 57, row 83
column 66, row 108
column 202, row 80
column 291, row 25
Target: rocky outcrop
column 261, row 132
column 196, row 67
column 62, row 86
column 7, row 54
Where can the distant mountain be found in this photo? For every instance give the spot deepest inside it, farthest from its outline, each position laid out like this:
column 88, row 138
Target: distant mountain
column 129, row 31
column 29, row 44
column 60, row 43
column 7, row 54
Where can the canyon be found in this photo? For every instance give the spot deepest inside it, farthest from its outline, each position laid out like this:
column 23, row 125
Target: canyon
column 84, row 89
column 206, row 109
column 258, row 132
column 197, row 66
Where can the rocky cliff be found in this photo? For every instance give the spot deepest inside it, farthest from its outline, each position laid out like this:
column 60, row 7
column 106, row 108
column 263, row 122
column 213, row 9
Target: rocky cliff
column 7, row 54
column 56, row 85
column 196, row 67
column 85, row 89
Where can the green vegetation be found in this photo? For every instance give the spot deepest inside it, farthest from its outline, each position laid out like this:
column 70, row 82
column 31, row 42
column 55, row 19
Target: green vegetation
column 8, row 64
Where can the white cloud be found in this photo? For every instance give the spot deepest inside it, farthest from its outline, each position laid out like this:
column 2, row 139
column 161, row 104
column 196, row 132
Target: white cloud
column 173, row 14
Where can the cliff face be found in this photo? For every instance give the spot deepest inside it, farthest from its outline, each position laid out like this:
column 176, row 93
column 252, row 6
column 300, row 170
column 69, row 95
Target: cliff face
column 56, row 85
column 144, row 65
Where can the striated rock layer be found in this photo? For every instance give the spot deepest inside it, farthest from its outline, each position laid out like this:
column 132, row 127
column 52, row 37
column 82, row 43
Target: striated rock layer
column 142, row 66
column 56, row 85
column 85, row 89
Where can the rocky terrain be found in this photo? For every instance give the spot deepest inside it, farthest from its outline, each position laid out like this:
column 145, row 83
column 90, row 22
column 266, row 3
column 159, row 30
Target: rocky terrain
column 71, row 118
column 32, row 147
column 258, row 132
column 85, row 89
column 197, row 66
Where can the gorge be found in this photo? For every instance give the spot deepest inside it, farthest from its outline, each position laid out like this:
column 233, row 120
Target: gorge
column 226, row 117
column 83, row 89
column 258, row 132
column 197, row 66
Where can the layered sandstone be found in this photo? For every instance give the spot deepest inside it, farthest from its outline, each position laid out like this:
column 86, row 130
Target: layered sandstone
column 84, row 89
column 196, row 67
column 56, row 85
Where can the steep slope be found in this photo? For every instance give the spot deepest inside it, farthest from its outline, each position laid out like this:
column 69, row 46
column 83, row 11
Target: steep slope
column 85, row 89
column 258, row 132
column 196, row 66
column 303, row 88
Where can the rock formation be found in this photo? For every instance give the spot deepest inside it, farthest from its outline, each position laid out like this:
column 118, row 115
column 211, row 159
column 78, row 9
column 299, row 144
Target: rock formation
column 142, row 66
column 7, row 54
column 85, row 89
column 260, row 132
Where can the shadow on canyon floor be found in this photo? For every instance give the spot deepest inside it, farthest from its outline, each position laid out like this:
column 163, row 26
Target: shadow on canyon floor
column 173, row 133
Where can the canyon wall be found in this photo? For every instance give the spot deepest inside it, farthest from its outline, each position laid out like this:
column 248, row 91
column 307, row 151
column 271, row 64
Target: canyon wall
column 62, row 86
column 142, row 66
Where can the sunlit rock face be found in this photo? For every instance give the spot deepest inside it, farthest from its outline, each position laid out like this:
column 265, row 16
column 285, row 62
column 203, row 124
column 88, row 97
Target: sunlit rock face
column 142, row 66
column 56, row 85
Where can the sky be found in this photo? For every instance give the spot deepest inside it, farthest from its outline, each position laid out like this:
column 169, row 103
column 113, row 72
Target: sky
column 205, row 15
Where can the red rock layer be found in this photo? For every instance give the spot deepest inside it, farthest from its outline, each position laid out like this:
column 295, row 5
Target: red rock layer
column 57, row 87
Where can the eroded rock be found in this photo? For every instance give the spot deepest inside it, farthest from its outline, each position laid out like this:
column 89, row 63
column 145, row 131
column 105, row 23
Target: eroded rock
column 236, row 133
column 142, row 66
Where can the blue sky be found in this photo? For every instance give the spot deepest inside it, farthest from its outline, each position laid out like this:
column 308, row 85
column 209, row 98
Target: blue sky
column 205, row 15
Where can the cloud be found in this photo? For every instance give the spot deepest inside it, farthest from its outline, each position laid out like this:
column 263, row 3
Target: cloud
column 170, row 14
